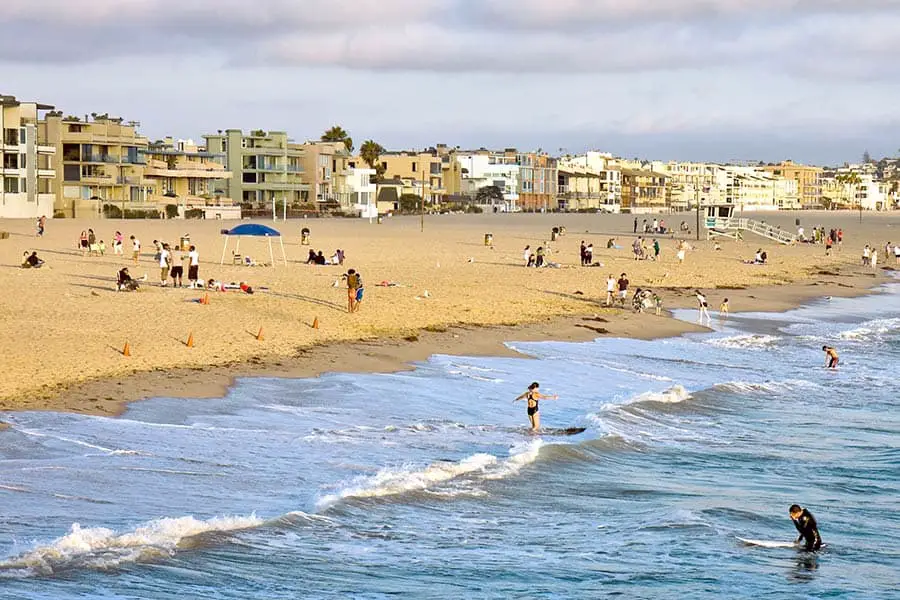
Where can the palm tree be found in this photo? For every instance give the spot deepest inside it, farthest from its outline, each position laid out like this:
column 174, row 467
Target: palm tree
column 338, row 134
column 370, row 151
column 852, row 179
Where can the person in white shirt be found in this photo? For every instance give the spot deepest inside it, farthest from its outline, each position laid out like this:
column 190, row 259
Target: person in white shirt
column 164, row 263
column 897, row 253
column 527, row 256
column 610, row 289
column 135, row 249
column 866, row 254
column 873, row 259
column 193, row 267
column 704, row 307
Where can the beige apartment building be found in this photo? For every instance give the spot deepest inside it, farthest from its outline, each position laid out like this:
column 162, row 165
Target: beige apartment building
column 267, row 168
column 101, row 161
column 644, row 191
column 809, row 181
column 27, row 167
column 538, row 182
column 324, row 170
column 183, row 174
column 436, row 170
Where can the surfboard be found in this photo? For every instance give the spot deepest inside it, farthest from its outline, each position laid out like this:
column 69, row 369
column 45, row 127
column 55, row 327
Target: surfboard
column 558, row 431
column 768, row 543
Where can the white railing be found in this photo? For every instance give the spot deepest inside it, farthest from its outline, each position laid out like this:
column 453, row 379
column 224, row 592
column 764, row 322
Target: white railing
column 758, row 227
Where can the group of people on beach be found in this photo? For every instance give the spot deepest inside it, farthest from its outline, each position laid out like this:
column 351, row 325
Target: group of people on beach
column 319, row 258
column 656, row 226
column 870, row 254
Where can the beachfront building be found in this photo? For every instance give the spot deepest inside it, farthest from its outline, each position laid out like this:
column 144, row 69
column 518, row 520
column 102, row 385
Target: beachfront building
column 608, row 181
column 101, row 162
column 809, row 181
column 267, row 168
column 752, row 189
column 538, row 182
column 422, row 172
column 27, row 167
column 856, row 186
column 183, row 174
column 356, row 191
column 691, row 183
column 486, row 168
column 323, row 166
column 644, row 191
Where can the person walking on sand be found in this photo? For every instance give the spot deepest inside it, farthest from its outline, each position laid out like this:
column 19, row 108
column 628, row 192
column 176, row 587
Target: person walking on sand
column 703, row 307
column 831, row 357
column 873, row 258
column 135, row 249
column 635, row 225
column 583, row 252
column 165, row 261
column 117, row 243
column 354, row 284
column 897, row 253
column 828, row 244
column 867, row 252
column 589, row 255
column 83, row 243
column 193, row 267
column 610, row 290
column 532, row 399
column 41, row 224
column 655, row 249
column 622, row 287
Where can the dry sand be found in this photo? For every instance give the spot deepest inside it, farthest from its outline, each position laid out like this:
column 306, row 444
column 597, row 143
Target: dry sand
column 65, row 325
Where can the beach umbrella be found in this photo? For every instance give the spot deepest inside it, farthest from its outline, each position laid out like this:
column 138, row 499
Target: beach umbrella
column 253, row 230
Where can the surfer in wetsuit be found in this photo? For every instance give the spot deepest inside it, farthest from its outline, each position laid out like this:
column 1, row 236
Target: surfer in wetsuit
column 532, row 397
column 831, row 357
column 806, row 525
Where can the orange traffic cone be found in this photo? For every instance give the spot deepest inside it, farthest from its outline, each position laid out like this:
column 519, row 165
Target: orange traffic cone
column 190, row 340
column 315, row 323
column 259, row 335
column 126, row 351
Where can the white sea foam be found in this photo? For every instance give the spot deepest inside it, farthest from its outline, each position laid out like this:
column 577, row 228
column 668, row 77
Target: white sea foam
column 871, row 329
column 673, row 395
column 744, row 342
column 411, row 478
column 765, row 387
column 111, row 451
column 101, row 548
column 476, row 377
column 642, row 375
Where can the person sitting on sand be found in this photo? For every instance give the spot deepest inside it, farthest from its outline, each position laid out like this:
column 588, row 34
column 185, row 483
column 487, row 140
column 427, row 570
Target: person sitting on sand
column 320, row 259
column 32, row 261
column 611, row 244
column 124, row 281
column 311, row 257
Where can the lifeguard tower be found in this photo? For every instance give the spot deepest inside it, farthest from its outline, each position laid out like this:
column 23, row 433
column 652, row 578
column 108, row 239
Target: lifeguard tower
column 721, row 222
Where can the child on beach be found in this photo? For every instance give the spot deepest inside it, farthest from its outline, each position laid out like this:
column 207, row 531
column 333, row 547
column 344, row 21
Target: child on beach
column 135, row 249
column 723, row 308
column 117, row 243
column 657, row 302
column 610, row 289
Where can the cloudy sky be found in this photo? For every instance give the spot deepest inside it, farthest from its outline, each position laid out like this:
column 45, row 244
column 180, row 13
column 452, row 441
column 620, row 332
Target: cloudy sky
column 813, row 80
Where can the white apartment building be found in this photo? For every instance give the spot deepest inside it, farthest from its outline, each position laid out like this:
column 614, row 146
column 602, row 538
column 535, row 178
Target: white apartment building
column 599, row 164
column 26, row 164
column 359, row 192
column 691, row 182
column 485, row 168
column 868, row 192
column 751, row 189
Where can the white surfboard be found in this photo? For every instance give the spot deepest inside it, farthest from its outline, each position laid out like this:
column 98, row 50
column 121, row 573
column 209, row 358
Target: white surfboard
column 768, row 543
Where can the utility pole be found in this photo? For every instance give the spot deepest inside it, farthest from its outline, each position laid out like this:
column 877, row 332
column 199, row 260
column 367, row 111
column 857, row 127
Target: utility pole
column 697, row 203
column 422, row 212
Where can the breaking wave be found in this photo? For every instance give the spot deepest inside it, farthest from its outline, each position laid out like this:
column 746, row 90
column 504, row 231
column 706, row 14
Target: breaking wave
column 744, row 342
column 101, row 548
column 403, row 480
column 871, row 329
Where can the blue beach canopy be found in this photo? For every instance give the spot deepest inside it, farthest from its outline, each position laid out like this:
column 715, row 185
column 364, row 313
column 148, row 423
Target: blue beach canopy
column 251, row 230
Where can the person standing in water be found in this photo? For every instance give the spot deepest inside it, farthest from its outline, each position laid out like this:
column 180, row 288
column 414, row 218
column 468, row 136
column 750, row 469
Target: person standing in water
column 533, row 397
column 807, row 526
column 831, row 357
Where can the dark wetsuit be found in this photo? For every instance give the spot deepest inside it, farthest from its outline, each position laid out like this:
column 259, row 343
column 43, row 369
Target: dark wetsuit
column 529, row 399
column 809, row 530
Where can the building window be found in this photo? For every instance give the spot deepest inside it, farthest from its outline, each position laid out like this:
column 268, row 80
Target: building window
column 22, row 136
column 11, row 137
column 414, row 167
column 10, row 185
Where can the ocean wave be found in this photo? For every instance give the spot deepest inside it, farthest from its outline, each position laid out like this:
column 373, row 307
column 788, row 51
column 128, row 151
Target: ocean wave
column 766, row 387
column 82, row 443
column 476, row 377
column 744, row 342
column 673, row 395
column 100, row 548
column 412, row 478
column 641, row 374
column 871, row 329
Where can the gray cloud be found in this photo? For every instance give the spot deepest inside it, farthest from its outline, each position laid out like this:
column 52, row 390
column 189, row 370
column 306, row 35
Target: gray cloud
column 498, row 36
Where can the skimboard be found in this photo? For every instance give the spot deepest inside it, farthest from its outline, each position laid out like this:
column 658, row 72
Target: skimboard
column 768, row 543
column 558, row 431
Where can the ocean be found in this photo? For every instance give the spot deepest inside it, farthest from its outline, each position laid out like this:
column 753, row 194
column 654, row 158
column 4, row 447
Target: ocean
column 425, row 483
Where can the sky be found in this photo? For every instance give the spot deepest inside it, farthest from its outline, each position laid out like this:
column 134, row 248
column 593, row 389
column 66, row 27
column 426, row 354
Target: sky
column 816, row 81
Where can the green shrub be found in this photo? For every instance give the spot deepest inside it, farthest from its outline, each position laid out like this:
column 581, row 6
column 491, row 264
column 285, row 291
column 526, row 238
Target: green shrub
column 193, row 213
column 171, row 211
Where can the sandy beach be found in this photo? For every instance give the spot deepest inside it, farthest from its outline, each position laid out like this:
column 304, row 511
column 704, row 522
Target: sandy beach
column 66, row 326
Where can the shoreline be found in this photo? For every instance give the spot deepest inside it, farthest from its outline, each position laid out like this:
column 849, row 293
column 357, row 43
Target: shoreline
column 110, row 396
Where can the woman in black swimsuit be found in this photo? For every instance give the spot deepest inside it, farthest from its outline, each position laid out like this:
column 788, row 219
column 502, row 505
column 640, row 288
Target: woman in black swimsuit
column 532, row 397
